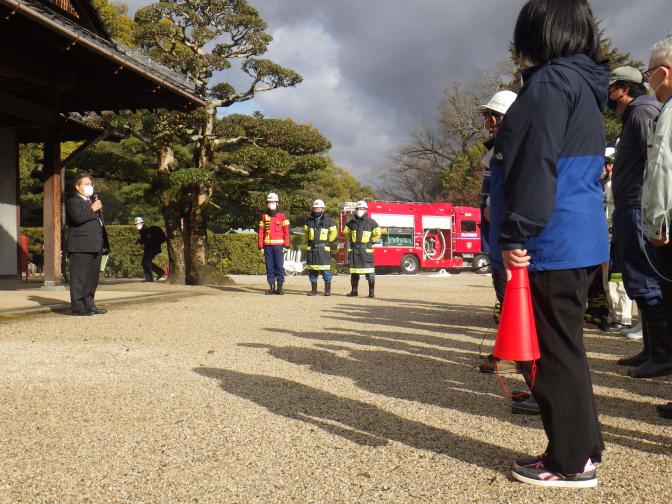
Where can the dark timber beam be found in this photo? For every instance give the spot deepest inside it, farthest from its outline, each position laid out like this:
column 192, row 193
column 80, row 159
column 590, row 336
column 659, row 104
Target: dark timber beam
column 25, row 109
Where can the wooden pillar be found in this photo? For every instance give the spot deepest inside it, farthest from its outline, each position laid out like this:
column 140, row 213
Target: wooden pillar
column 9, row 204
column 52, row 214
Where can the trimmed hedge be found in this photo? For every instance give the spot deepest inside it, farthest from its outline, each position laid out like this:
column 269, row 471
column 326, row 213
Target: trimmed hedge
column 235, row 253
column 228, row 253
column 126, row 254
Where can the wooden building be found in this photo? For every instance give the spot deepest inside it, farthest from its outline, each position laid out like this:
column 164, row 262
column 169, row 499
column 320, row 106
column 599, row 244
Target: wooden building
column 57, row 64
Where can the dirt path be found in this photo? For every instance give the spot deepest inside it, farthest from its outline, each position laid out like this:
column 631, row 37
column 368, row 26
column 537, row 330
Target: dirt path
column 240, row 397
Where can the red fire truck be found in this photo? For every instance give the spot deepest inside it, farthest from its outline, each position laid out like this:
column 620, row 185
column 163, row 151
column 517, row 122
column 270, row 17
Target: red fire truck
column 421, row 236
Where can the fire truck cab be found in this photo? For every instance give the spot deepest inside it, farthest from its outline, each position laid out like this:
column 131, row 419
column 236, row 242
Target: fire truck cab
column 419, row 236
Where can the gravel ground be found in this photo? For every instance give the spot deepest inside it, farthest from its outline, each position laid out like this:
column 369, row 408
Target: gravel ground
column 232, row 396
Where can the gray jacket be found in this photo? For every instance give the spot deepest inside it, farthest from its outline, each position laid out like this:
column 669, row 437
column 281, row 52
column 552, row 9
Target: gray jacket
column 657, row 189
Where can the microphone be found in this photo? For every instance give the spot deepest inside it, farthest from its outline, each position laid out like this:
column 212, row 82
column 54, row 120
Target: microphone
column 96, row 197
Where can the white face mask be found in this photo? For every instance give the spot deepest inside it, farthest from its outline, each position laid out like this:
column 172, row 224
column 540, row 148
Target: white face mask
column 360, row 213
column 88, row 191
column 272, row 206
column 139, row 226
column 655, row 91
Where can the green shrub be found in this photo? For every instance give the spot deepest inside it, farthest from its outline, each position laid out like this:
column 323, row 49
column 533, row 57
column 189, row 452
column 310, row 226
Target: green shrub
column 235, row 253
column 126, row 254
column 228, row 253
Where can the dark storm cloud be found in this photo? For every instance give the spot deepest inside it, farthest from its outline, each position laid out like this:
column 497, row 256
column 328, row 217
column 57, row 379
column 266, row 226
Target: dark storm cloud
column 373, row 68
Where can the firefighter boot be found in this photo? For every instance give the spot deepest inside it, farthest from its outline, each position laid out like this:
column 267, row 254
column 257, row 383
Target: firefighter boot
column 659, row 362
column 271, row 290
column 313, row 289
column 354, row 283
column 327, row 288
column 279, row 290
column 643, row 356
column 372, row 286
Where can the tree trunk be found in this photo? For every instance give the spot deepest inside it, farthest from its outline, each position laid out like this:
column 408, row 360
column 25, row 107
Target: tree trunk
column 195, row 236
column 198, row 237
column 172, row 217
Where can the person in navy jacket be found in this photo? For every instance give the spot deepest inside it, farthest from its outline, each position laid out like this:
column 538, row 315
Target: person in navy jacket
column 547, row 214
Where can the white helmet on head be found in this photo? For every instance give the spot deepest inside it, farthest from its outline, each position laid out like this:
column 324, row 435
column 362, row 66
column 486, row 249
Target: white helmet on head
column 500, row 102
column 610, row 153
column 272, row 197
column 361, row 204
column 138, row 220
column 318, row 203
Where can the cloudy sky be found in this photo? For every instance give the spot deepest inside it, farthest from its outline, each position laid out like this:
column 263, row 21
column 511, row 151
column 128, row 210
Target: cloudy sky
column 374, row 68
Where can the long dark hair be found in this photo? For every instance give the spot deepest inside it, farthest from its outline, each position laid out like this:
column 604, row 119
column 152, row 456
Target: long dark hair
column 549, row 29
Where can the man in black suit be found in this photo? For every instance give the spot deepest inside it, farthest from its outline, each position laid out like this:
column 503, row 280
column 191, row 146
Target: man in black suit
column 86, row 240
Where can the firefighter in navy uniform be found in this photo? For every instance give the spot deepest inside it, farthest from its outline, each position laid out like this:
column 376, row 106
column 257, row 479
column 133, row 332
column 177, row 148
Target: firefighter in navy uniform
column 361, row 232
column 273, row 239
column 320, row 231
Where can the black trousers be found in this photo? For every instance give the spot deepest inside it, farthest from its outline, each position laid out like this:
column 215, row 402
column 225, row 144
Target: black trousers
column 499, row 283
column 84, row 273
column 563, row 386
column 664, row 266
column 148, row 266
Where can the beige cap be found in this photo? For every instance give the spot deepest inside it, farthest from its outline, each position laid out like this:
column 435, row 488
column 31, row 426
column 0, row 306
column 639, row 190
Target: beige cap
column 625, row 74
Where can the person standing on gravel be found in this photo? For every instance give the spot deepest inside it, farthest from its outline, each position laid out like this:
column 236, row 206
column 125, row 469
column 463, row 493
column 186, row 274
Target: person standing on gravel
column 657, row 187
column 320, row 231
column 620, row 305
column 493, row 113
column 361, row 232
column 629, row 98
column 273, row 239
column 86, row 241
column 547, row 215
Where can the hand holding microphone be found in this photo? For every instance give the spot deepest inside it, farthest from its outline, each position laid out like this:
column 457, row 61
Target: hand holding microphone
column 97, row 205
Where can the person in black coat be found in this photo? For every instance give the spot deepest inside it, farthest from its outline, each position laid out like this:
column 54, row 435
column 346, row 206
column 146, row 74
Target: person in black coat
column 86, row 241
column 151, row 238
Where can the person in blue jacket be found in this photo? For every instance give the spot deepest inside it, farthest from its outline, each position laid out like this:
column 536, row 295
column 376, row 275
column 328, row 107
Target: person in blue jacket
column 547, row 215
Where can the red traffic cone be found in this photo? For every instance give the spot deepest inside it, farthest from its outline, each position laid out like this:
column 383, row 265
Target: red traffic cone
column 517, row 334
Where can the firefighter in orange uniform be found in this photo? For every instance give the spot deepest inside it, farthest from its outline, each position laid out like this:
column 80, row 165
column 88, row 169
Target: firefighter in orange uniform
column 273, row 239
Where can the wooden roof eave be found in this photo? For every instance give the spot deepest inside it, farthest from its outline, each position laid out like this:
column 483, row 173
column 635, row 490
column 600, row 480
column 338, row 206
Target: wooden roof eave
column 17, row 7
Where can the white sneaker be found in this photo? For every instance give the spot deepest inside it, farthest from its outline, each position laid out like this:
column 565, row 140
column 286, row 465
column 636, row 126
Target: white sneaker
column 635, row 328
column 634, row 333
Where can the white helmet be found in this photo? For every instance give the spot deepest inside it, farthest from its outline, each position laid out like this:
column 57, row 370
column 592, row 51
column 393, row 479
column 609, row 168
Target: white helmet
column 500, row 102
column 272, row 197
column 610, row 153
column 361, row 204
column 138, row 220
column 318, row 203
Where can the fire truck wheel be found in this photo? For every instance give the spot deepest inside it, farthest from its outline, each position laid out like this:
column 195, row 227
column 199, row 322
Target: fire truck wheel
column 410, row 264
column 481, row 264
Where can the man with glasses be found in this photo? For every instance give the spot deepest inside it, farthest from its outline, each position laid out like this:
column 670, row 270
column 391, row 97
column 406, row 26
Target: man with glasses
column 628, row 97
column 657, row 190
column 493, row 113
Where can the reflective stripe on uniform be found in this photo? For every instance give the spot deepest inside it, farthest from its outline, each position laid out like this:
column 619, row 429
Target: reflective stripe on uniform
column 319, row 267
column 362, row 270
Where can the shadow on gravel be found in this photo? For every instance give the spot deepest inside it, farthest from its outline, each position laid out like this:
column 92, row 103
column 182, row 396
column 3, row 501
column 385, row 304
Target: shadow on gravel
column 440, row 318
column 448, row 379
column 354, row 420
column 46, row 301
